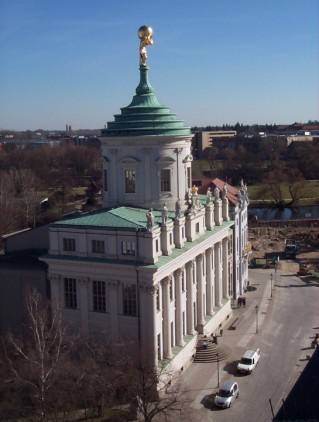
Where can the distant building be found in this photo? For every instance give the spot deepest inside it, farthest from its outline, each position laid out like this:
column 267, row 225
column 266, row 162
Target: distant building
column 204, row 139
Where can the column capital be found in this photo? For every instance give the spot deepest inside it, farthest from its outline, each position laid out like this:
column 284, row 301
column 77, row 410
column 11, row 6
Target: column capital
column 83, row 281
column 55, row 277
column 148, row 289
column 113, row 283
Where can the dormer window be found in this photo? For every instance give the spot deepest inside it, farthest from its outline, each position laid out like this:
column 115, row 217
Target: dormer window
column 165, row 180
column 130, row 179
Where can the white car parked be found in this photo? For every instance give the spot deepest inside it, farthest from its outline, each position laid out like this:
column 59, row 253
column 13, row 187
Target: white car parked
column 249, row 361
column 227, row 394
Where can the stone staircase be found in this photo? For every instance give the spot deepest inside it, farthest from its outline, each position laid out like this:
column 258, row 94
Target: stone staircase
column 207, row 351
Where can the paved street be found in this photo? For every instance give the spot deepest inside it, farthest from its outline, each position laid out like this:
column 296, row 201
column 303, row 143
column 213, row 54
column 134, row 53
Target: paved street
column 285, row 326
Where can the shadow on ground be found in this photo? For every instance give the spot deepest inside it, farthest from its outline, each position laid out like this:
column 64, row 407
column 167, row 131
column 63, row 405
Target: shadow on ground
column 208, row 402
column 302, row 402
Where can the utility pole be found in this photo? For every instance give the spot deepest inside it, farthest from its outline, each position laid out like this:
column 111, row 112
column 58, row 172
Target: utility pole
column 256, row 309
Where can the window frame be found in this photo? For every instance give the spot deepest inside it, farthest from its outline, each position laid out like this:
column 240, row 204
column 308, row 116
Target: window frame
column 70, row 293
column 67, row 242
column 129, row 293
column 166, row 183
column 99, row 296
column 95, row 246
column 127, row 171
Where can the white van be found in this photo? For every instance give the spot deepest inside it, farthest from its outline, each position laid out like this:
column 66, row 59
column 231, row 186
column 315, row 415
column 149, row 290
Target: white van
column 249, row 361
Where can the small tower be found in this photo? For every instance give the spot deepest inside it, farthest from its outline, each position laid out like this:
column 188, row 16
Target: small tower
column 146, row 149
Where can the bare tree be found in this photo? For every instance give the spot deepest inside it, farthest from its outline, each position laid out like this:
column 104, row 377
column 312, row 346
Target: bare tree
column 156, row 393
column 34, row 359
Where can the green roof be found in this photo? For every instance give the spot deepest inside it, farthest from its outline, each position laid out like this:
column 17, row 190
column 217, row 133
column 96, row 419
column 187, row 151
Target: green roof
column 124, row 218
column 145, row 115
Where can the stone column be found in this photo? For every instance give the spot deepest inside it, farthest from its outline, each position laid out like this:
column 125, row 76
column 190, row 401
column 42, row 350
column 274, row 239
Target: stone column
column 190, row 299
column 113, row 294
column 200, row 305
column 179, row 309
column 148, row 324
column 167, row 346
column 84, row 305
column 225, row 268
column 209, row 298
column 218, row 275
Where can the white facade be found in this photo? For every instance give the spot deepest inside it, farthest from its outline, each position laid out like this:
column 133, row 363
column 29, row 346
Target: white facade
column 241, row 244
column 154, row 268
column 158, row 305
column 144, row 158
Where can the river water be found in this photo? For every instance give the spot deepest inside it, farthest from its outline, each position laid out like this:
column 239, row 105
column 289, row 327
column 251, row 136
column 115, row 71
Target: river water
column 266, row 213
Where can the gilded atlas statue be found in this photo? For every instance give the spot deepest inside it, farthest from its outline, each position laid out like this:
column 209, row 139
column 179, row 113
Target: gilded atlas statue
column 145, row 34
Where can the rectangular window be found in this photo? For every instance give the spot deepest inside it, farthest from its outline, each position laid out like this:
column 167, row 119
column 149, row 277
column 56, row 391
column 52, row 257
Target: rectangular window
column 158, row 302
column 159, row 354
column 189, row 178
column 171, row 238
column 184, row 325
column 172, row 334
column 156, row 245
column 128, row 247
column 105, row 180
column 197, row 227
column 99, row 302
column 171, row 290
column 98, row 246
column 130, row 178
column 68, row 245
column 183, row 281
column 165, row 180
column 129, row 300
column 70, row 300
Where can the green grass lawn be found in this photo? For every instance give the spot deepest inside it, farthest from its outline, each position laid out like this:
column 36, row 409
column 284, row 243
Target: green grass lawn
column 309, row 190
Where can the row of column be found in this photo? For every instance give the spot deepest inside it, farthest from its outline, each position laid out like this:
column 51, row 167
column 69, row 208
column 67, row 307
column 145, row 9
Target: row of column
column 205, row 287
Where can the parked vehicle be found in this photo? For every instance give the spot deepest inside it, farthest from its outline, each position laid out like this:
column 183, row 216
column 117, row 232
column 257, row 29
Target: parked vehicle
column 227, row 394
column 291, row 249
column 249, row 361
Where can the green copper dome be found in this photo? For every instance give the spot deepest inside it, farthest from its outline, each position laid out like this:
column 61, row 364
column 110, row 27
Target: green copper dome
column 145, row 115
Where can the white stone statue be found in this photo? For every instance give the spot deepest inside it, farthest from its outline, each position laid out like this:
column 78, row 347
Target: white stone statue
column 225, row 191
column 150, row 219
column 164, row 214
column 216, row 193
column 209, row 196
column 178, row 209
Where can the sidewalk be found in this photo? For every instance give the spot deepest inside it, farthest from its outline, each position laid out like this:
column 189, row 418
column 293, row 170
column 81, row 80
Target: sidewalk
column 201, row 379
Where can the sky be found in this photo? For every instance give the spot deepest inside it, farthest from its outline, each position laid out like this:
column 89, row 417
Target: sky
column 212, row 62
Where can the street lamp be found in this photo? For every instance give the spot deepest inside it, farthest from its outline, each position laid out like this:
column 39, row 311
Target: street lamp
column 271, row 281
column 217, row 355
column 256, row 309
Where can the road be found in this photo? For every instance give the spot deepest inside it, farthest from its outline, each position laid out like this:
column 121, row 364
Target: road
column 286, row 325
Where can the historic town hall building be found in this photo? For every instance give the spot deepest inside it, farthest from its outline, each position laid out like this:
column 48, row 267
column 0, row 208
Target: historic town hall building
column 154, row 267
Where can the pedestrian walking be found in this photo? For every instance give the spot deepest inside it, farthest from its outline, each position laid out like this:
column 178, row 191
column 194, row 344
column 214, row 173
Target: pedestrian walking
column 244, row 302
column 221, row 332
